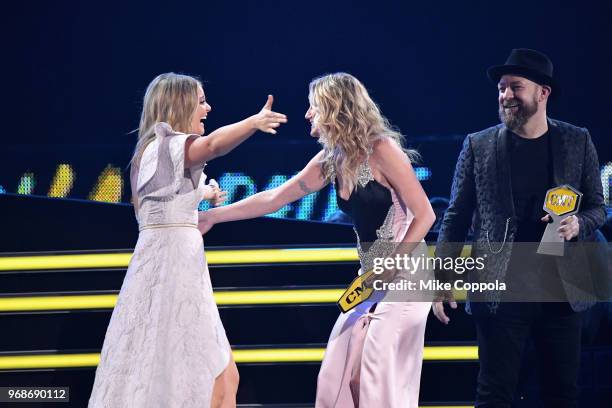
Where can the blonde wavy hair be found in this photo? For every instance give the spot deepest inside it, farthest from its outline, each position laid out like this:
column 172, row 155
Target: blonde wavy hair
column 349, row 122
column 170, row 98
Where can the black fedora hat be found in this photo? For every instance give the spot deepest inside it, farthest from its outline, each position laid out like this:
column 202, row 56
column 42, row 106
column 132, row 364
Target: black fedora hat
column 530, row 64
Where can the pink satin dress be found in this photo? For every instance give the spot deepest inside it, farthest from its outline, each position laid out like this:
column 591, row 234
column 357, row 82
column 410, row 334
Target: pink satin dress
column 375, row 351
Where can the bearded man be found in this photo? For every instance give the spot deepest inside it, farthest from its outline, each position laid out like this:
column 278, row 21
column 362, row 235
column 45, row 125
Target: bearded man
column 502, row 176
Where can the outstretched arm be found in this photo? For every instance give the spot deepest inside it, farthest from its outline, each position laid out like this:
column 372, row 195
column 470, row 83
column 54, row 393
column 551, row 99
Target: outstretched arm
column 307, row 181
column 225, row 139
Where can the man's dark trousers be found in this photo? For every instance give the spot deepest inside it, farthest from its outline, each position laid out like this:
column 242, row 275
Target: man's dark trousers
column 502, row 337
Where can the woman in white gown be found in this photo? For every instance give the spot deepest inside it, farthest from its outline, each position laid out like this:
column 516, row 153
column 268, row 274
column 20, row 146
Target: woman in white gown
column 165, row 345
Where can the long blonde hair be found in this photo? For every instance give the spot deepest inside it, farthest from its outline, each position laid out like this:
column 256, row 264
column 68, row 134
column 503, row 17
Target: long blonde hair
column 170, row 98
column 349, row 122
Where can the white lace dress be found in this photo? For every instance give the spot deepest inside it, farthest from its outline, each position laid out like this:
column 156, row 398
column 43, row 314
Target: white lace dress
column 165, row 343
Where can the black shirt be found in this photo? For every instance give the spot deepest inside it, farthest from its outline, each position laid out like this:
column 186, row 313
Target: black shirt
column 530, row 277
column 531, row 175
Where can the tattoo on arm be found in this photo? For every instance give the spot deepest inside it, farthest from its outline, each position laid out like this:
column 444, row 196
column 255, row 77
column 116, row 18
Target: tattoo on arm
column 304, row 187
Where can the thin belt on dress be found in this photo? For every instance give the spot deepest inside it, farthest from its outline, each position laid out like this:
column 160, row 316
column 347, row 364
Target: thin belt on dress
column 152, row 226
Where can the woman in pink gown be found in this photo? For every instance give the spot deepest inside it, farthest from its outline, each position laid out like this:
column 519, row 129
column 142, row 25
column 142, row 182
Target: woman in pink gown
column 374, row 353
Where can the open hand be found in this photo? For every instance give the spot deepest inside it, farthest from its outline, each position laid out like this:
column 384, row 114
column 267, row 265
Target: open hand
column 267, row 120
column 438, row 305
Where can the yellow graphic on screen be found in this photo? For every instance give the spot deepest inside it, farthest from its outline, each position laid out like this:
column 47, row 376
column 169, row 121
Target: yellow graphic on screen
column 109, row 186
column 562, row 200
column 63, row 180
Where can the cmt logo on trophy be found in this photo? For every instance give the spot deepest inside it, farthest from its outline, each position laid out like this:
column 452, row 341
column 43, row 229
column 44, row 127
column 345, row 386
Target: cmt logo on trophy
column 560, row 202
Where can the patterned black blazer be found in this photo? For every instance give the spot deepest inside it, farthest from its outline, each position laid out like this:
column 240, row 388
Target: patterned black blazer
column 481, row 197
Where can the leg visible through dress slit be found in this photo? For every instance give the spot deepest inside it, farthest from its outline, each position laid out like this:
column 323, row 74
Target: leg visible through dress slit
column 339, row 378
column 352, row 370
column 374, row 357
column 358, row 337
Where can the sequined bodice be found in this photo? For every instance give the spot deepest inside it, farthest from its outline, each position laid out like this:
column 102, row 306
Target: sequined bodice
column 368, row 206
column 378, row 219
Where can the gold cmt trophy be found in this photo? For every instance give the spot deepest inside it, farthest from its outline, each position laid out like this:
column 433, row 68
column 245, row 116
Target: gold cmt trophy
column 560, row 202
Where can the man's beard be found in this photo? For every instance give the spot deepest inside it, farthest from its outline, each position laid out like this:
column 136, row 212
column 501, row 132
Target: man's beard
column 516, row 120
